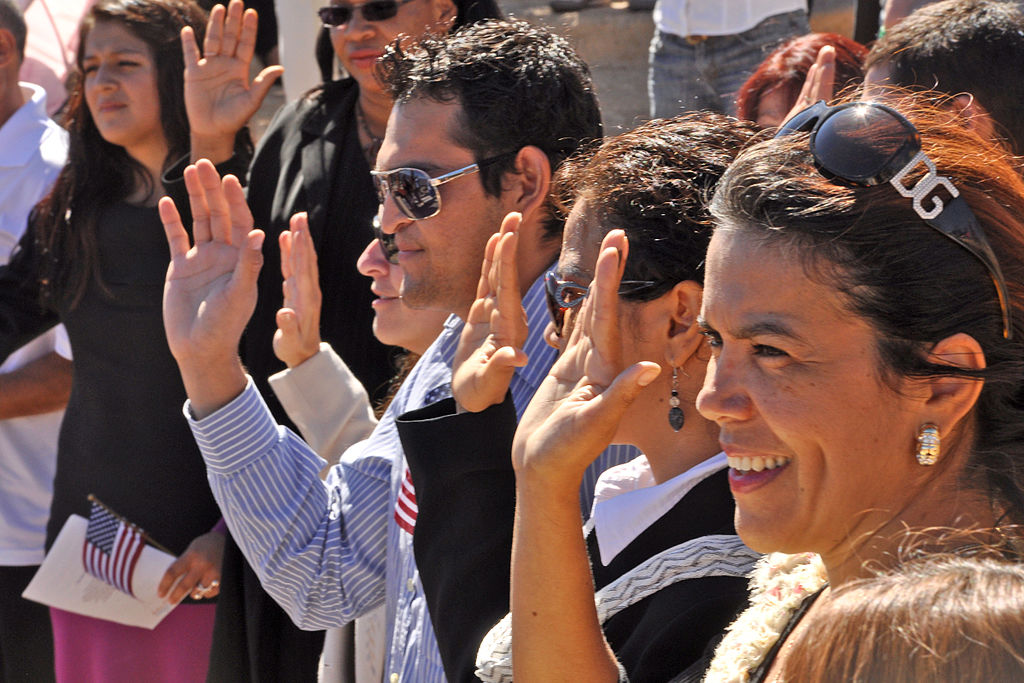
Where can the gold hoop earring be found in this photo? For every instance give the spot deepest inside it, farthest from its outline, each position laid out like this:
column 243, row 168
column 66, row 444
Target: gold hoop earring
column 928, row 445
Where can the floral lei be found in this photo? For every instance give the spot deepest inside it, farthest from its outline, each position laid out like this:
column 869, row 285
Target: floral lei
column 778, row 586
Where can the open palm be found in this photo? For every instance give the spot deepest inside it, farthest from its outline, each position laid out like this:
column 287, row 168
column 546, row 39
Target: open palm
column 577, row 409
column 219, row 98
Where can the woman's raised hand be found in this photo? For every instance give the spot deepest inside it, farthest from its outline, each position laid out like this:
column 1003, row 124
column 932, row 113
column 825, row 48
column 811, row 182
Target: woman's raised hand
column 219, row 98
column 576, row 411
column 490, row 348
column 819, row 83
column 298, row 321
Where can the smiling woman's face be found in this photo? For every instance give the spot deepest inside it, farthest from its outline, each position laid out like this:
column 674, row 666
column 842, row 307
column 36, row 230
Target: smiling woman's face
column 820, row 448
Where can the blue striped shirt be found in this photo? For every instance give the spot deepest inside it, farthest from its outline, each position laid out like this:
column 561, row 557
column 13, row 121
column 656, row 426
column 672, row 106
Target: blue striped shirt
column 329, row 551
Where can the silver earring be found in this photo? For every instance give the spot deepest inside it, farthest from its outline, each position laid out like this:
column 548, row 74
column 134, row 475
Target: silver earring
column 928, row 445
column 675, row 413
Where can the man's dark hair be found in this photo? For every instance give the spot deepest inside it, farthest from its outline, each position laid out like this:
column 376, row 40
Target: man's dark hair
column 962, row 46
column 517, row 84
column 12, row 19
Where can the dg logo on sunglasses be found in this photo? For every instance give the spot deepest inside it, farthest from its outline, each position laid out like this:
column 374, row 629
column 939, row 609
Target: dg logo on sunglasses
column 925, row 187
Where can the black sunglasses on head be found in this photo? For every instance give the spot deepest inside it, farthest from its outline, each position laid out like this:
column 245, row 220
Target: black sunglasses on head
column 375, row 10
column 866, row 143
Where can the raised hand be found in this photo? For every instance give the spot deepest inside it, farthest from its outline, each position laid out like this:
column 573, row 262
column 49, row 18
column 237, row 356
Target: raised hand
column 210, row 291
column 219, row 98
column 298, row 322
column 819, row 83
column 490, row 348
column 576, row 411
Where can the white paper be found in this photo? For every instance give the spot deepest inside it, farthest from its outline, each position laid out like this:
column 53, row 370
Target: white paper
column 62, row 582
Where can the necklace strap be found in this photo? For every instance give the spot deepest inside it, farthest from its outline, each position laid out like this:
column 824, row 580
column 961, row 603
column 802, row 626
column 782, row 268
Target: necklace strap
column 371, row 148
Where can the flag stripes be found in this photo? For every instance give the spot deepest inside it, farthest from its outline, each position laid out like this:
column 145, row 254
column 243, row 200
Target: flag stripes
column 405, row 506
column 111, row 549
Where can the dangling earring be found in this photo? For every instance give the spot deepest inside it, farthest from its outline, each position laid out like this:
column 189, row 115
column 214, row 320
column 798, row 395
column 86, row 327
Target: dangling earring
column 675, row 413
column 928, row 444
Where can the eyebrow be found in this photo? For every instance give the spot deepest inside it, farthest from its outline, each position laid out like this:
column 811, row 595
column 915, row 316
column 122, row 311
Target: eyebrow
column 768, row 327
column 119, row 51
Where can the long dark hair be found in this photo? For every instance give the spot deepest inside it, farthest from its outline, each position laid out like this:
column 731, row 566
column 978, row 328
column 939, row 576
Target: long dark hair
column 99, row 173
column 914, row 286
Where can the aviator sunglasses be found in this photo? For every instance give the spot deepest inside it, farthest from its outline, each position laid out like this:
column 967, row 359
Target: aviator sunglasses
column 375, row 10
column 866, row 143
column 564, row 294
column 415, row 192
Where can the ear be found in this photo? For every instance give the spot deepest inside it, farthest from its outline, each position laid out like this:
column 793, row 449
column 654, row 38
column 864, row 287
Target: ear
column 975, row 116
column 8, row 49
column 527, row 189
column 685, row 339
column 445, row 12
column 949, row 399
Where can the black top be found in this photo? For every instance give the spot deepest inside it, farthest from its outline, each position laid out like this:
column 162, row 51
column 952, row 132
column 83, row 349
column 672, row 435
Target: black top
column 667, row 632
column 465, row 494
column 310, row 160
column 123, row 437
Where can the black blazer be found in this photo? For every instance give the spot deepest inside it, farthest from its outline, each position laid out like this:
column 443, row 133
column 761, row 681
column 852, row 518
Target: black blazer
column 465, row 494
column 310, row 160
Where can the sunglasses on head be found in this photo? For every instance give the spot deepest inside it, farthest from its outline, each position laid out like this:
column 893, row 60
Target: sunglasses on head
column 387, row 242
column 375, row 10
column 564, row 294
column 415, row 192
column 866, row 143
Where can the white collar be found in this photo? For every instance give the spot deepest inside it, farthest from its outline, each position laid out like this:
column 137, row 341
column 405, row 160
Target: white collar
column 19, row 136
column 627, row 500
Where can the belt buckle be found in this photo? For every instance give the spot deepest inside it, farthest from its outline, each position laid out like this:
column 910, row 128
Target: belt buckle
column 695, row 40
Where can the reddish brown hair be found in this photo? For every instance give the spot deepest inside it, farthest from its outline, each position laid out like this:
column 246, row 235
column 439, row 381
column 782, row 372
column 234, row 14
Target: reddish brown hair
column 787, row 68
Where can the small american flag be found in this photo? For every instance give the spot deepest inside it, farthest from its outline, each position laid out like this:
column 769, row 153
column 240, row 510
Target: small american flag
column 405, row 506
column 112, row 548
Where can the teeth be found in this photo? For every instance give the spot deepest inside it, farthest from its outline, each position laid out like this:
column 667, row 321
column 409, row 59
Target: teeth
column 756, row 463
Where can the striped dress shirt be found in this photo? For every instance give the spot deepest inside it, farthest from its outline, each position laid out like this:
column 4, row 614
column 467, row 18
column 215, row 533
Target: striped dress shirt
column 329, row 551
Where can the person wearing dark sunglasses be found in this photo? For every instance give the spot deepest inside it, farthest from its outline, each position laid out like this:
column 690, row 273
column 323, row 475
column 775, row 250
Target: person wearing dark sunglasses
column 864, row 311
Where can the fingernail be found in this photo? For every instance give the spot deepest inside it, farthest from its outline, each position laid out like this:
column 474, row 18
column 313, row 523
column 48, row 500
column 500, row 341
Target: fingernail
column 648, row 376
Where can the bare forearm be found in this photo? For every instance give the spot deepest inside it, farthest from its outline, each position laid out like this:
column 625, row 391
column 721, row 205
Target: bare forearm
column 211, row 384
column 217, row 149
column 41, row 386
column 556, row 635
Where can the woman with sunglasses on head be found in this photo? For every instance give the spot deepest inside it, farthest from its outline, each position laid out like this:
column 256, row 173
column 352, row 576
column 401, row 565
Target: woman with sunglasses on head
column 94, row 259
column 864, row 308
column 315, row 157
column 643, row 192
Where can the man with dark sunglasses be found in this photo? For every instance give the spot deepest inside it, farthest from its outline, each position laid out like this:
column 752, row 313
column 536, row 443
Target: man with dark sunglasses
column 481, row 119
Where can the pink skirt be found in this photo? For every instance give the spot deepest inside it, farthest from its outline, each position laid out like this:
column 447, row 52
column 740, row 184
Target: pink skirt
column 97, row 651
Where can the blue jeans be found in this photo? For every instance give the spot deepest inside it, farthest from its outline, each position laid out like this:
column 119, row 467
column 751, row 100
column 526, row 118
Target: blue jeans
column 706, row 74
